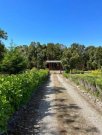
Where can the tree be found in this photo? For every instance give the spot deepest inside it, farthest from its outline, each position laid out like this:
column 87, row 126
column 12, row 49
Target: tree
column 91, row 58
column 98, row 56
column 32, row 55
column 41, row 56
column 66, row 56
column 50, row 51
column 3, row 35
column 74, row 57
column 78, row 55
column 54, row 51
column 13, row 62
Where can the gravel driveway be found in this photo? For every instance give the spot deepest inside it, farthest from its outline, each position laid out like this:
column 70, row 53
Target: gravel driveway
column 58, row 108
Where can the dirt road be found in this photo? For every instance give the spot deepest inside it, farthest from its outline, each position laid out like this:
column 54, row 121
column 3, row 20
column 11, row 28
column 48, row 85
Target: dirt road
column 59, row 110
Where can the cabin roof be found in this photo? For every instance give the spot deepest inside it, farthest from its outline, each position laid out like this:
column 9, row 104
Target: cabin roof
column 53, row 61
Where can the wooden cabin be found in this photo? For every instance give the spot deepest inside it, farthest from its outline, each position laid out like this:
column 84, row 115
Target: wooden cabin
column 54, row 65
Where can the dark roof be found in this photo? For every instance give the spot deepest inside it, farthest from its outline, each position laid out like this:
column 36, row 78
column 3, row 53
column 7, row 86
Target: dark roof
column 53, row 61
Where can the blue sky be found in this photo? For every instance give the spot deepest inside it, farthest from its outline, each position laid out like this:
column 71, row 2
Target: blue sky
column 63, row 21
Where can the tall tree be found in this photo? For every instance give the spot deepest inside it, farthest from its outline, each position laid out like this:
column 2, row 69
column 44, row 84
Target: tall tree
column 91, row 59
column 78, row 52
column 66, row 56
column 54, row 51
column 98, row 57
column 13, row 62
column 3, row 35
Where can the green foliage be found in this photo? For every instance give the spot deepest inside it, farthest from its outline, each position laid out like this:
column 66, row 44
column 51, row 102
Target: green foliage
column 90, row 81
column 73, row 57
column 66, row 56
column 75, row 71
column 15, row 91
column 13, row 62
column 2, row 51
column 81, row 58
column 54, row 51
column 38, row 54
column 3, row 35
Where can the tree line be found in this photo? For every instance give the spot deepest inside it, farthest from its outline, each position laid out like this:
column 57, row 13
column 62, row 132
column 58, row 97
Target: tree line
column 76, row 56
column 82, row 58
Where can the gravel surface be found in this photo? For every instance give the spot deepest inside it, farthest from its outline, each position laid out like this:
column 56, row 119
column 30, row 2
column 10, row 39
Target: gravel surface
column 88, row 110
column 58, row 108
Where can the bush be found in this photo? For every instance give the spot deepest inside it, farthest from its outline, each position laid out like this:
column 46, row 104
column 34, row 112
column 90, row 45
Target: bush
column 15, row 91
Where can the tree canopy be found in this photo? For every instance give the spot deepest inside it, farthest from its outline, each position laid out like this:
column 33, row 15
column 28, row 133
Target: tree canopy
column 3, row 35
column 75, row 56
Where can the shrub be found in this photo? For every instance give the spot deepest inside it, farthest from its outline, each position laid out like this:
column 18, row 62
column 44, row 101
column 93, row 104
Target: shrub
column 15, row 91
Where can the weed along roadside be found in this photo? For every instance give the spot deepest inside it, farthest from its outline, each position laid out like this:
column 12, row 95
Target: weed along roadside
column 91, row 82
column 15, row 91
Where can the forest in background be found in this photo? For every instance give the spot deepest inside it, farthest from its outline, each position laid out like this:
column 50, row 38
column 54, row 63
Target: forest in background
column 76, row 56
